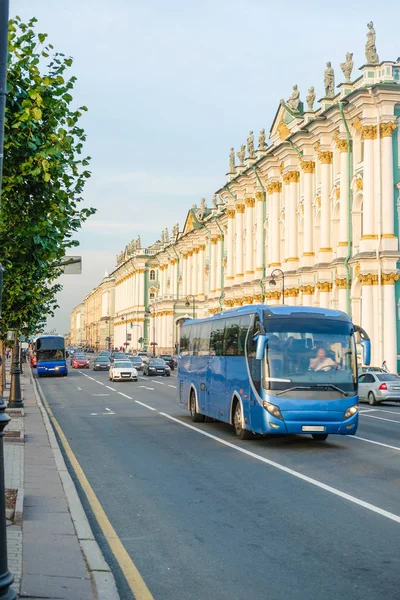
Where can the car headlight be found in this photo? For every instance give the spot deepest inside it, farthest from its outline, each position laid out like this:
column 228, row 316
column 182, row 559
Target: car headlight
column 272, row 409
column 57, row 368
column 350, row 412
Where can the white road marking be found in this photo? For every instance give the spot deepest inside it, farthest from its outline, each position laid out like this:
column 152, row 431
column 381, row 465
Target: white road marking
column 101, row 394
column 392, row 412
column 99, row 382
column 93, row 414
column 271, row 463
column 88, row 376
column 159, row 382
column 145, row 387
column 145, row 405
column 110, row 388
column 109, row 412
column 78, row 388
column 381, row 418
column 365, row 410
column 357, row 437
column 122, row 394
column 173, row 386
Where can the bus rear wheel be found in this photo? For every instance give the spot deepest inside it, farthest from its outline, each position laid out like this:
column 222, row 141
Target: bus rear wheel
column 196, row 416
column 319, row 437
column 241, row 432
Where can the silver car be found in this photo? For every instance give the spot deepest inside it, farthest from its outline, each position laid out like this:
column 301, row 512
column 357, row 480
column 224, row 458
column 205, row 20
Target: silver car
column 375, row 388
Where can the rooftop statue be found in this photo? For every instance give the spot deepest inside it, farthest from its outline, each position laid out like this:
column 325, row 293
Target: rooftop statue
column 202, row 210
column 163, row 237
column 232, row 166
column 262, row 145
column 370, row 46
column 166, row 235
column 310, row 99
column 250, row 145
column 329, row 81
column 241, row 154
column 294, row 100
column 347, row 66
column 138, row 243
column 215, row 201
column 175, row 230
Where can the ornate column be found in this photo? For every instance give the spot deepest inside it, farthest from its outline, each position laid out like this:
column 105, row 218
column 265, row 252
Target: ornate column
column 308, row 168
column 340, row 283
column 184, row 274
column 213, row 265
column 195, row 271
column 249, row 215
column 291, row 179
column 260, row 226
column 386, row 132
column 344, row 197
column 325, row 288
column 189, row 287
column 369, row 133
column 239, row 242
column 325, row 244
column 219, row 263
column 229, row 246
column 389, row 320
column 307, row 292
column 274, row 189
column 201, row 264
column 367, row 305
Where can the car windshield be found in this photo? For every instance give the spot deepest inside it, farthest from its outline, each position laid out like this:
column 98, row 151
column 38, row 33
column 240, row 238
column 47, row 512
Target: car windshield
column 309, row 352
column 79, row 357
column 156, row 362
column 166, row 357
column 119, row 355
column 136, row 359
column 122, row 364
column 387, row 377
column 102, row 359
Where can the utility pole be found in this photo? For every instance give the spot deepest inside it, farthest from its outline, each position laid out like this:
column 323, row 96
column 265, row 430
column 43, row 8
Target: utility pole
column 6, row 578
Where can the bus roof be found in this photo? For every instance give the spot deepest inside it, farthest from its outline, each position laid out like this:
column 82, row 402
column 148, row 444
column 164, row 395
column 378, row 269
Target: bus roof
column 49, row 336
column 283, row 311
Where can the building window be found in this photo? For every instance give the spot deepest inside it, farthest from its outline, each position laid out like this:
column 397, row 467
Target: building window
column 152, row 295
column 152, row 275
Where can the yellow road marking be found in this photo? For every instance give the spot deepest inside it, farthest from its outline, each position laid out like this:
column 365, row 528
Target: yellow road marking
column 134, row 579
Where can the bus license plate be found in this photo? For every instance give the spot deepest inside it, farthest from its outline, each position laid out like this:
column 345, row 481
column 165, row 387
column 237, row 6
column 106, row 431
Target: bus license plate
column 313, row 428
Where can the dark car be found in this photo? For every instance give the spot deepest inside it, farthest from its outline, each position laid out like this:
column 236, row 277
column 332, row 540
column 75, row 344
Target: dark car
column 169, row 360
column 156, row 366
column 137, row 362
column 118, row 356
column 102, row 363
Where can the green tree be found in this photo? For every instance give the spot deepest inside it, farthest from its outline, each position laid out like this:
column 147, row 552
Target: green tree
column 43, row 178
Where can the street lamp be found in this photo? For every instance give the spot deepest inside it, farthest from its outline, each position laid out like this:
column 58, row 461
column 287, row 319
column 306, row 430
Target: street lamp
column 126, row 331
column 272, row 281
column 154, row 327
column 108, row 321
column 187, row 303
column 15, row 399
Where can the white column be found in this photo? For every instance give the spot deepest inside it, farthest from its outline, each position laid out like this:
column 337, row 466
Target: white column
column 342, row 296
column 326, row 184
column 201, row 265
column 213, row 265
column 249, row 215
column 367, row 309
column 386, row 132
column 325, row 289
column 184, row 274
column 344, row 198
column 189, row 287
column 307, row 295
column 308, row 168
column 389, row 322
column 239, row 242
column 195, row 277
column 291, row 180
column 229, row 246
column 141, row 299
column 274, row 189
column 260, row 227
column 369, row 134
column 219, row 263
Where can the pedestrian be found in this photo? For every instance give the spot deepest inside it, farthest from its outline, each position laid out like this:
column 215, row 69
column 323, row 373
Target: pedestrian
column 7, row 353
column 385, row 367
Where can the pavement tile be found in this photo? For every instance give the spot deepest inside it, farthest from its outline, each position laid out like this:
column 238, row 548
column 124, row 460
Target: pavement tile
column 60, row 588
column 58, row 555
column 54, row 523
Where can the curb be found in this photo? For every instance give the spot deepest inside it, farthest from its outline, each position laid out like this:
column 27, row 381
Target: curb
column 19, row 507
column 102, row 578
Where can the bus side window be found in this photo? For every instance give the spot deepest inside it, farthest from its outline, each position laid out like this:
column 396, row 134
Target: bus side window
column 184, row 345
column 231, row 338
column 254, row 364
column 217, row 338
column 204, row 339
column 244, row 323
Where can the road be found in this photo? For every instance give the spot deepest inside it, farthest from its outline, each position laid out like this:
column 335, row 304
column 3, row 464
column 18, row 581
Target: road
column 203, row 515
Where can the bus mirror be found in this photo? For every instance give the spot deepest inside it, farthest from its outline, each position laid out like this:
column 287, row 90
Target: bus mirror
column 366, row 346
column 261, row 344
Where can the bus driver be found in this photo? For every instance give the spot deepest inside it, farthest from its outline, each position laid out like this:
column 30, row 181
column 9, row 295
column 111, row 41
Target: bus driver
column 322, row 362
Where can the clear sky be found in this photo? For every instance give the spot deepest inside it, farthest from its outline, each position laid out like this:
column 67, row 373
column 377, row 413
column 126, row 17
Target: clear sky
column 171, row 85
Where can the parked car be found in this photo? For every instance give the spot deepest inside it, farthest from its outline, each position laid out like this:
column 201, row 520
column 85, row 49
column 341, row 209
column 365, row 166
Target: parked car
column 118, row 356
column 137, row 362
column 375, row 387
column 123, row 370
column 102, row 363
column 169, row 360
column 156, row 366
column 79, row 361
column 373, row 369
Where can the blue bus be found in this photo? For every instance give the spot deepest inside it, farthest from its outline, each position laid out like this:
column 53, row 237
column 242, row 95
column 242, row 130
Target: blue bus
column 273, row 370
column 50, row 355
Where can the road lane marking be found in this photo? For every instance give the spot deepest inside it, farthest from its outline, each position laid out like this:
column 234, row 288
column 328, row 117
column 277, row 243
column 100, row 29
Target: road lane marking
column 145, row 387
column 93, row 414
column 145, row 405
column 271, row 463
column 78, row 388
column 357, row 437
column 101, row 394
column 159, row 382
column 366, row 410
column 88, row 376
column 381, row 418
column 135, row 581
column 173, row 386
column 110, row 388
column 392, row 412
column 122, row 394
column 99, row 382
column 109, row 412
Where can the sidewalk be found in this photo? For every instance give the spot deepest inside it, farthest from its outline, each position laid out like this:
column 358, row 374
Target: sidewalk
column 44, row 549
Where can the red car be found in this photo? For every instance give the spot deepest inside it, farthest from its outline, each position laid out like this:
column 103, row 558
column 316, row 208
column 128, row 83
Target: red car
column 33, row 361
column 80, row 362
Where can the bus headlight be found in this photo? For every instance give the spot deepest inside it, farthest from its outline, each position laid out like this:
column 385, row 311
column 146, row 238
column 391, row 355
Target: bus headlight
column 350, row 412
column 273, row 410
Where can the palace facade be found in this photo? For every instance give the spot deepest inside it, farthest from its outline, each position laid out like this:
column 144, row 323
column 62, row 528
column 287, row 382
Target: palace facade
column 316, row 212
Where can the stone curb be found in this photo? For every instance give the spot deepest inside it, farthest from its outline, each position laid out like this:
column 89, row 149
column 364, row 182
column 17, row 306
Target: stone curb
column 102, row 578
column 19, row 507
column 15, row 440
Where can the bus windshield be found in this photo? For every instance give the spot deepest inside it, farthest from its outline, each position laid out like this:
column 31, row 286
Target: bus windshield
column 309, row 353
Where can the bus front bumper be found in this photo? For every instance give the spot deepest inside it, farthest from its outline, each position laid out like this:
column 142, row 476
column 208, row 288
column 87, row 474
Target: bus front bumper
column 305, row 422
column 58, row 370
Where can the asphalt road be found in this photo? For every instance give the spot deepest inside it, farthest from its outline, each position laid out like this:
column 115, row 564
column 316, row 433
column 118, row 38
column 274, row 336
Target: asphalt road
column 217, row 518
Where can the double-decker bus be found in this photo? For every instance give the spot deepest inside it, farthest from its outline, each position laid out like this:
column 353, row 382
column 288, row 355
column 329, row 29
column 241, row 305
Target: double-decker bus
column 273, row 370
column 50, row 355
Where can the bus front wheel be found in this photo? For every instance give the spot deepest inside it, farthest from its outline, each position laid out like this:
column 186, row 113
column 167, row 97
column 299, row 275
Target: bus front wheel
column 319, row 437
column 196, row 417
column 241, row 432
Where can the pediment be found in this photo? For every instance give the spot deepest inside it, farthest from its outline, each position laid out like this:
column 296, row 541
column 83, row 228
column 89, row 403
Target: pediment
column 191, row 222
column 285, row 123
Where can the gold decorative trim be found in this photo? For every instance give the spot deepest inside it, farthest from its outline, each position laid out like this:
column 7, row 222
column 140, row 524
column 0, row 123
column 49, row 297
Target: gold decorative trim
column 239, row 208
column 228, row 302
column 278, row 264
column 359, row 184
column 341, row 283
column 257, row 298
column 307, row 289
column 213, row 240
column 307, row 166
column 273, row 295
column 390, row 278
column 250, row 202
column 292, row 292
column 249, row 272
column 308, row 253
column 388, row 236
column 230, row 213
column 259, row 196
column 341, row 144
column 369, row 236
column 368, row 279
column 337, row 193
column 387, row 129
column 283, row 130
column 325, row 158
column 325, row 250
column 357, row 124
column 291, row 177
column 291, row 258
column 369, row 132
column 229, row 278
column 202, row 247
column 342, row 244
column 318, row 201
column 274, row 186
column 324, row 286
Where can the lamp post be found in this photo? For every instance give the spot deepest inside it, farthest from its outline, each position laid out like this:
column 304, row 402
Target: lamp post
column 15, row 400
column 108, row 321
column 272, row 281
column 154, row 327
column 126, row 331
column 187, row 303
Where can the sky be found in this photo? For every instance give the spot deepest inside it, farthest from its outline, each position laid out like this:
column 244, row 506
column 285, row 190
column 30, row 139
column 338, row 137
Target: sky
column 172, row 85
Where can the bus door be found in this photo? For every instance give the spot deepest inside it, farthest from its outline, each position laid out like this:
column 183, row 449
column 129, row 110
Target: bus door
column 201, row 351
column 216, row 376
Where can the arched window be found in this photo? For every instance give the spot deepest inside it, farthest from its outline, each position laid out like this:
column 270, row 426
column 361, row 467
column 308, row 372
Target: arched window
column 152, row 295
column 152, row 275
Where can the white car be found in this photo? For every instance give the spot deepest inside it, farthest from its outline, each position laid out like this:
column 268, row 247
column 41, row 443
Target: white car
column 122, row 370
